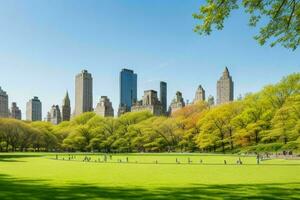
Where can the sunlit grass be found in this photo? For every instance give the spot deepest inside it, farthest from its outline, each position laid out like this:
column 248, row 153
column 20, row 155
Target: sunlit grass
column 148, row 171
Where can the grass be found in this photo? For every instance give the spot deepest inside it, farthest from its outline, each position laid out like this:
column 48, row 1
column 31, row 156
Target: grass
column 41, row 176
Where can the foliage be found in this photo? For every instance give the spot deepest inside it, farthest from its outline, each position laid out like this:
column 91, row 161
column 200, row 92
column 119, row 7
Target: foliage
column 279, row 20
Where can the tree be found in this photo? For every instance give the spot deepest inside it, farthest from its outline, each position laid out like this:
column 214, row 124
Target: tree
column 254, row 118
column 284, row 127
column 216, row 129
column 43, row 137
column 279, row 19
column 186, row 119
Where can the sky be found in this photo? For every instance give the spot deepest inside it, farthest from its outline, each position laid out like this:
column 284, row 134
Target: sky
column 44, row 44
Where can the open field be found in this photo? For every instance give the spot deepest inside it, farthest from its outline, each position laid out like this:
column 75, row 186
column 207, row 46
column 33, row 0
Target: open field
column 137, row 176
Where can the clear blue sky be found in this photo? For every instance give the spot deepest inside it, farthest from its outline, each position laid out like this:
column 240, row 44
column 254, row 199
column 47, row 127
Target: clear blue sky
column 44, row 44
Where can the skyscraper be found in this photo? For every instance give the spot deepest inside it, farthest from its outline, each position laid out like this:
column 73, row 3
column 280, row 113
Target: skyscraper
column 34, row 109
column 83, row 93
column 55, row 115
column 163, row 96
column 177, row 103
column 128, row 89
column 4, row 112
column 150, row 102
column 200, row 94
column 104, row 107
column 15, row 111
column 225, row 88
column 66, row 108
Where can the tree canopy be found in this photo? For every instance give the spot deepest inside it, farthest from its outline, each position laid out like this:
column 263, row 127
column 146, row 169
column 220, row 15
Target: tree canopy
column 278, row 20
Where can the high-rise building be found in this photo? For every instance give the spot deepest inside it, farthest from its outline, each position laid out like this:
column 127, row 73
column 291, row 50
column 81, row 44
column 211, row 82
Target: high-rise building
column 149, row 103
column 104, row 107
column 48, row 118
column 15, row 111
column 200, row 94
column 128, row 89
column 66, row 108
column 34, row 109
column 163, row 96
column 177, row 103
column 225, row 88
column 55, row 115
column 83, row 93
column 4, row 112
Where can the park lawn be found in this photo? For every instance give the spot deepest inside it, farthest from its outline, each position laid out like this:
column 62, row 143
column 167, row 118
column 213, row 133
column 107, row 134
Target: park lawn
column 41, row 176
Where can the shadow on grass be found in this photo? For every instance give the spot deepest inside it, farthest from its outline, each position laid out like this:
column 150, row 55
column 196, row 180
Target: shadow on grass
column 14, row 189
column 13, row 157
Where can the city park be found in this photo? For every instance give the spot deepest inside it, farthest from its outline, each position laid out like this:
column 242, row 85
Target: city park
column 246, row 149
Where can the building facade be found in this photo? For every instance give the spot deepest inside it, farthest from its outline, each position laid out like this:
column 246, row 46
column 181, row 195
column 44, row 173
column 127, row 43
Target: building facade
column 83, row 93
column 163, row 96
column 34, row 109
column 177, row 103
column 150, row 102
column 15, row 111
column 225, row 88
column 4, row 112
column 54, row 115
column 128, row 90
column 104, row 107
column 66, row 108
column 200, row 94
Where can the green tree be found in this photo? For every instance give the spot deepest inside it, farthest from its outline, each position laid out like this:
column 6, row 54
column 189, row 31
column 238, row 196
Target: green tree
column 216, row 129
column 279, row 20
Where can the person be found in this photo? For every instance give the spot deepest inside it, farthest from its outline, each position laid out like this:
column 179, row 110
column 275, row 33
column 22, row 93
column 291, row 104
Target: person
column 201, row 161
column 240, row 161
column 225, row 162
column 176, row 160
column 56, row 157
column 127, row 160
column 257, row 159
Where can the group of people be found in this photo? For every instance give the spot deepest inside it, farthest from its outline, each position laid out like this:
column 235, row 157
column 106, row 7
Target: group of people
column 109, row 157
column 70, row 157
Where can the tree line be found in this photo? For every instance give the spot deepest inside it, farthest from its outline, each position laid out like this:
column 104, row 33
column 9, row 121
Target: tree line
column 266, row 121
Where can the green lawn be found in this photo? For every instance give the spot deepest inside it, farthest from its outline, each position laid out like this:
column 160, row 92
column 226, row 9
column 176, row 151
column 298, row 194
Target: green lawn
column 42, row 176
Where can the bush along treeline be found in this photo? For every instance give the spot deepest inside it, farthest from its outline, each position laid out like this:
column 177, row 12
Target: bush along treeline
column 266, row 121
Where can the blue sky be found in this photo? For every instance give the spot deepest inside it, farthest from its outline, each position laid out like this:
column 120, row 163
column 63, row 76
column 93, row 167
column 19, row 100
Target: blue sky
column 44, row 44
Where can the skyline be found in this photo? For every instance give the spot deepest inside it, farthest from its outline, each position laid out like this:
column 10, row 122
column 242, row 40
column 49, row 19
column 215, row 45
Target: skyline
column 41, row 50
column 170, row 99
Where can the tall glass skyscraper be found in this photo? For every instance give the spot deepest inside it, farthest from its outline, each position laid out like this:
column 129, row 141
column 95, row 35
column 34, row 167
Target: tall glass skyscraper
column 128, row 88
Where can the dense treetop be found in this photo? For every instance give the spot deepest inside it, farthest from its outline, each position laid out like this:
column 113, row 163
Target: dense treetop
column 279, row 20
